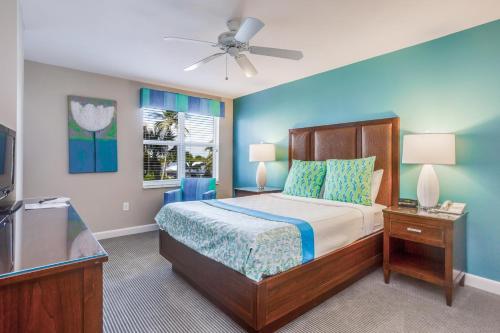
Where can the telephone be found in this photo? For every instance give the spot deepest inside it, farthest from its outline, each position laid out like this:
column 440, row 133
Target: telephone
column 451, row 207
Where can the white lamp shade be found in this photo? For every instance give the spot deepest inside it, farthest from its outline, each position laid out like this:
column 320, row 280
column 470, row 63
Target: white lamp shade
column 262, row 152
column 429, row 149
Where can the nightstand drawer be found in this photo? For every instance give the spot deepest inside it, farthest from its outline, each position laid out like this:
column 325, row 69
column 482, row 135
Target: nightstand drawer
column 417, row 232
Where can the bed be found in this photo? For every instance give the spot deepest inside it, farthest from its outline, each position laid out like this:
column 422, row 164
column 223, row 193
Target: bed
column 347, row 239
column 264, row 243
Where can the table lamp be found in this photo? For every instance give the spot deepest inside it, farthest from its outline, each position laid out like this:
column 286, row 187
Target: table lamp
column 261, row 152
column 428, row 149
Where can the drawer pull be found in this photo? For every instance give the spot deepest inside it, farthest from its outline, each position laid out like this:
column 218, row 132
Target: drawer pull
column 418, row 231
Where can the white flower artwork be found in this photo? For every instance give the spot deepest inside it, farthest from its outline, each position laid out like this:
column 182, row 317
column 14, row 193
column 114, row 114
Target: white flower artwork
column 91, row 117
column 92, row 134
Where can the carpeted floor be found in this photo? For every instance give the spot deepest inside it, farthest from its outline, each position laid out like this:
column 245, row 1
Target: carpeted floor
column 142, row 294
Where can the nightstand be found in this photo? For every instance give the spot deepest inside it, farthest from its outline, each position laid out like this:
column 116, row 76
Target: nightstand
column 426, row 246
column 246, row 191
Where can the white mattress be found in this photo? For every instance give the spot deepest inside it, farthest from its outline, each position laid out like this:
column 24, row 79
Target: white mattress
column 335, row 223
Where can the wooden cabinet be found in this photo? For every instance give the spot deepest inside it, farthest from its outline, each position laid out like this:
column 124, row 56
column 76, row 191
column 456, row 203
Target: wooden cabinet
column 58, row 299
column 246, row 191
column 426, row 246
column 51, row 276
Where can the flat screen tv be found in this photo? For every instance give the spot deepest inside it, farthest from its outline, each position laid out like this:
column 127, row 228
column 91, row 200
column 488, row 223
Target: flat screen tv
column 7, row 157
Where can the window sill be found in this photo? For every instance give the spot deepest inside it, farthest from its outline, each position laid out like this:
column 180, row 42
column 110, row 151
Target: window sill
column 169, row 184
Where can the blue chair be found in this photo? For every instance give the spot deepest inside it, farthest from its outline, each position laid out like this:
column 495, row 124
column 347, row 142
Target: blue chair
column 192, row 189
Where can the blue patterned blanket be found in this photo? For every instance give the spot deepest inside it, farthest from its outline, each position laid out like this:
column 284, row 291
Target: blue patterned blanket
column 252, row 242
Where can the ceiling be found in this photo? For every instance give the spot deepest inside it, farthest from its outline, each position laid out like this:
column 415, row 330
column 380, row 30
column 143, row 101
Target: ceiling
column 124, row 38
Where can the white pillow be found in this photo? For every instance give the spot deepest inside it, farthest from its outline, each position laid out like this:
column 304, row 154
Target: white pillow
column 376, row 181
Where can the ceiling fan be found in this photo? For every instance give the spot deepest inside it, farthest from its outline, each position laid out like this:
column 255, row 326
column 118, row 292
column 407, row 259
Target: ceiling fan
column 236, row 41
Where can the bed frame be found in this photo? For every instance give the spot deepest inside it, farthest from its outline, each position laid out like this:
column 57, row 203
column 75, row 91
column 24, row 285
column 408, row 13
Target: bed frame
column 276, row 300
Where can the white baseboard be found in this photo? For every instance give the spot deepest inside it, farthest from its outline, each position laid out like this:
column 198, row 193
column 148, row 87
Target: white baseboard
column 125, row 231
column 482, row 283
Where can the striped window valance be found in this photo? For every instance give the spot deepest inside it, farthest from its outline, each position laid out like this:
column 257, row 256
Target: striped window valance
column 165, row 100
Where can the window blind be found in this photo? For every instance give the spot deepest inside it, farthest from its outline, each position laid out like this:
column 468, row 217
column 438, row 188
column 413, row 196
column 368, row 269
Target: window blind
column 177, row 145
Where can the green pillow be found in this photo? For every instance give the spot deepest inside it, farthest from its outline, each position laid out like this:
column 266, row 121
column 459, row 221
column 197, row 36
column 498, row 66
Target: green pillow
column 349, row 180
column 305, row 178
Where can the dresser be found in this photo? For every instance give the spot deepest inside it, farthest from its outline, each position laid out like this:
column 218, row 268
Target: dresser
column 246, row 191
column 50, row 272
column 426, row 246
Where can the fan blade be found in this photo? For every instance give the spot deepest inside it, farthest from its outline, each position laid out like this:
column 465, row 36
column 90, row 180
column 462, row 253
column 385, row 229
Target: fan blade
column 273, row 52
column 245, row 65
column 167, row 38
column 203, row 61
column 248, row 29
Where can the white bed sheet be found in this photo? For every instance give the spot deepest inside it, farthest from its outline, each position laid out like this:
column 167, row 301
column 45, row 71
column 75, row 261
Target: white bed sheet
column 335, row 224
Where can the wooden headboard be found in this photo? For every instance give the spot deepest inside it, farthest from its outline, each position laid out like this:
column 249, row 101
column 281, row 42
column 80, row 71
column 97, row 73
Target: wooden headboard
column 378, row 138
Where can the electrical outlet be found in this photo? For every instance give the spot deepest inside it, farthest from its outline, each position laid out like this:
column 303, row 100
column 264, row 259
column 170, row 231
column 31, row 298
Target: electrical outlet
column 126, row 206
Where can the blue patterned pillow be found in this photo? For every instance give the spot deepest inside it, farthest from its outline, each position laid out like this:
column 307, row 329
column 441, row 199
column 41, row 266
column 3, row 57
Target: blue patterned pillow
column 349, row 180
column 305, row 178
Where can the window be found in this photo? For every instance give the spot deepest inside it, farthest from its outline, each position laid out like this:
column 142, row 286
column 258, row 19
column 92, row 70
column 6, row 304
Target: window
column 177, row 145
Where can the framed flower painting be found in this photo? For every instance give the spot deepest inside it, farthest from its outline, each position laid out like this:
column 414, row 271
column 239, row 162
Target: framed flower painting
column 92, row 135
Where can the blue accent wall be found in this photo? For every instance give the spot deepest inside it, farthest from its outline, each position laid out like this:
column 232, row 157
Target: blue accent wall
column 451, row 84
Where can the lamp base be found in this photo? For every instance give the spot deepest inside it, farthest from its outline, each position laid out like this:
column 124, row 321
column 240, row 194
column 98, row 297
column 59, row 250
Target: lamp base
column 428, row 187
column 260, row 177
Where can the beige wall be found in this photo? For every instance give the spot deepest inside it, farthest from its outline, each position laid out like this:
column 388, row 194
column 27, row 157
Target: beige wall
column 11, row 77
column 98, row 197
